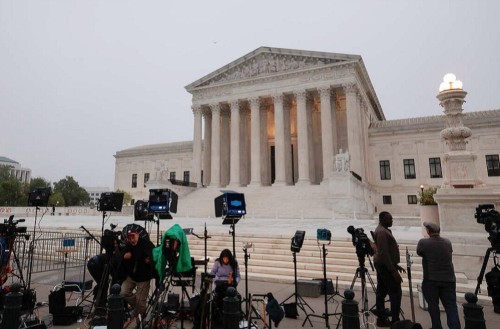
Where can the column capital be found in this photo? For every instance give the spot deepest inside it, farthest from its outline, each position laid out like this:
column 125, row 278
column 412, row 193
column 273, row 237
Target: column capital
column 215, row 107
column 324, row 92
column 278, row 98
column 300, row 95
column 196, row 110
column 350, row 88
column 234, row 105
column 254, row 101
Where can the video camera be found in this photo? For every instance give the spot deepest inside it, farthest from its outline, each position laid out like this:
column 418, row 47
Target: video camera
column 361, row 241
column 9, row 227
column 487, row 215
column 110, row 240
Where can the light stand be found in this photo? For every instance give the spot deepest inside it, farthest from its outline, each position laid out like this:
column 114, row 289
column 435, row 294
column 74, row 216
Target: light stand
column 299, row 301
column 32, row 250
column 325, row 315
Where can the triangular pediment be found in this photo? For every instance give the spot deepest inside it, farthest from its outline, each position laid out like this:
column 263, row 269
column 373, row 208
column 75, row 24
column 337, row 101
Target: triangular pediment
column 267, row 61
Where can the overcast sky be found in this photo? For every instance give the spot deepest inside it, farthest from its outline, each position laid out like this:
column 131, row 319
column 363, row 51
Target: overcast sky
column 81, row 80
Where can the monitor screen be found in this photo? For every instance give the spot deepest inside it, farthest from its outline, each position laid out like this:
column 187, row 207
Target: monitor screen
column 235, row 203
column 159, row 200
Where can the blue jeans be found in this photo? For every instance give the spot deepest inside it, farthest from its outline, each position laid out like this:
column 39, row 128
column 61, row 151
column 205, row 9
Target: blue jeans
column 446, row 292
column 387, row 285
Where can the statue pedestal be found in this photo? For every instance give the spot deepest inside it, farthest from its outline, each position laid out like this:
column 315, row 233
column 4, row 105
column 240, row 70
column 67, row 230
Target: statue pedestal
column 460, row 169
column 469, row 238
column 349, row 197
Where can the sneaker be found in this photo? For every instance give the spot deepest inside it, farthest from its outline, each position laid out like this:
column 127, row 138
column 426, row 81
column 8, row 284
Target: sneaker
column 383, row 322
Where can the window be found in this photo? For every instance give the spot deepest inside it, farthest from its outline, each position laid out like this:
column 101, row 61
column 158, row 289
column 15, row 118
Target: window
column 134, row 180
column 492, row 165
column 409, row 166
column 186, row 177
column 146, row 178
column 412, row 199
column 385, row 170
column 132, row 201
column 435, row 167
column 172, row 175
column 387, row 199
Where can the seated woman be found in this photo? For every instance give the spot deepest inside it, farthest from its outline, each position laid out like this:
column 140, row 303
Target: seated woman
column 226, row 273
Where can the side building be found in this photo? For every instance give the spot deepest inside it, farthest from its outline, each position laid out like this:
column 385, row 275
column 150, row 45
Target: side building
column 22, row 174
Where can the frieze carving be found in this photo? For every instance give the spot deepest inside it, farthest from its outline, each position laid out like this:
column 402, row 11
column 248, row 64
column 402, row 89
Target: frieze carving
column 267, row 63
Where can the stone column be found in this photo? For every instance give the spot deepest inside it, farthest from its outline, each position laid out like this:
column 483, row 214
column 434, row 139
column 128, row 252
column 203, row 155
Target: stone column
column 353, row 128
column 207, row 148
column 225, row 150
column 279, row 140
column 197, row 146
column 302, row 138
column 326, row 132
column 255, row 153
column 235, row 144
column 215, row 161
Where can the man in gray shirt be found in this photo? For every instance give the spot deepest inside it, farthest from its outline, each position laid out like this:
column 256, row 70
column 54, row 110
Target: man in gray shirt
column 439, row 277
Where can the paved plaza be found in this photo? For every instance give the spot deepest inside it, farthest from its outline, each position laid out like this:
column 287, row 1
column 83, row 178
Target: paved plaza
column 44, row 282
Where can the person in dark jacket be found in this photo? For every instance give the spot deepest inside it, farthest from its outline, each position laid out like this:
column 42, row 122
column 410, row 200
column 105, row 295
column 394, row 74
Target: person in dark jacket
column 439, row 277
column 386, row 262
column 138, row 266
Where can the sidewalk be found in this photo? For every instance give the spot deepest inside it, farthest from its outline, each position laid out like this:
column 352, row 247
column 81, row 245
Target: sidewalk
column 44, row 282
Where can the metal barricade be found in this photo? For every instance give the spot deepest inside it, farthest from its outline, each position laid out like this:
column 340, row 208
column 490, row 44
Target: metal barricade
column 56, row 250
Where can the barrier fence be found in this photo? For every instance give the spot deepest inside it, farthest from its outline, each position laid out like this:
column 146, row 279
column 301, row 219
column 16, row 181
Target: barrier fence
column 52, row 249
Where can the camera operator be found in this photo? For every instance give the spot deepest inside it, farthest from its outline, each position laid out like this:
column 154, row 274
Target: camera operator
column 112, row 259
column 138, row 266
column 386, row 262
column 439, row 277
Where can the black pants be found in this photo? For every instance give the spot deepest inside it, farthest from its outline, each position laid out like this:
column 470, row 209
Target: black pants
column 387, row 285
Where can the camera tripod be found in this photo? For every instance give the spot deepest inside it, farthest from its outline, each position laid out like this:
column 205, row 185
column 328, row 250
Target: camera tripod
column 299, row 301
column 495, row 250
column 362, row 273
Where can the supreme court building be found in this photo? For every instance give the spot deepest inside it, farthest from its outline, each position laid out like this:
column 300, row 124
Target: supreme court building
column 291, row 128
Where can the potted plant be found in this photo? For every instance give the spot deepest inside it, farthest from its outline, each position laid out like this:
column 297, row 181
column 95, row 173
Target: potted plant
column 426, row 196
column 429, row 211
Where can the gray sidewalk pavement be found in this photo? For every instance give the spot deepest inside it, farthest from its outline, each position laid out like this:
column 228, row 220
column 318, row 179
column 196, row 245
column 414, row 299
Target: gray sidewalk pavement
column 45, row 282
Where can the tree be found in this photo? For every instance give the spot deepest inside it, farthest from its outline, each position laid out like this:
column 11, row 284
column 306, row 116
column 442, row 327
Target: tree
column 11, row 189
column 72, row 192
column 56, row 199
column 127, row 197
column 39, row 182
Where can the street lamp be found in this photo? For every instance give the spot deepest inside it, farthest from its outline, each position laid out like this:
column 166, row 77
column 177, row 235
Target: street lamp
column 450, row 82
column 422, row 189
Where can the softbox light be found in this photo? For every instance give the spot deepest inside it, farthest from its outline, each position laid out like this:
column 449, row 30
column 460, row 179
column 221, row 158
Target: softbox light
column 230, row 205
column 39, row 196
column 141, row 211
column 110, row 201
column 297, row 241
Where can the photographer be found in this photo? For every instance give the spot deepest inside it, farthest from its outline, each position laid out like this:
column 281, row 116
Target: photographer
column 386, row 262
column 137, row 263
column 439, row 277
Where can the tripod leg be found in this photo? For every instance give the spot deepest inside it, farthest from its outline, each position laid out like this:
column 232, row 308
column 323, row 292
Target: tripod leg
column 483, row 269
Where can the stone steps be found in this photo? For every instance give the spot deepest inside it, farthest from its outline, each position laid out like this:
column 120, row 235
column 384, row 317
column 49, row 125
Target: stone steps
column 271, row 260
